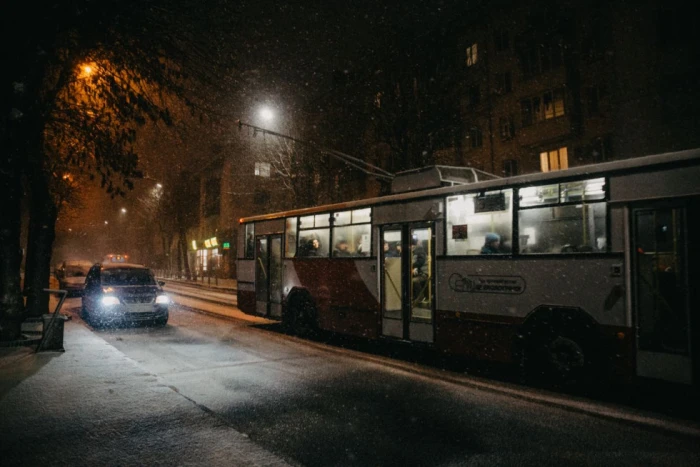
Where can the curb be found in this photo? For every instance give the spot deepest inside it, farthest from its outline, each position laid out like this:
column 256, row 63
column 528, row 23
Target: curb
column 26, row 342
column 632, row 417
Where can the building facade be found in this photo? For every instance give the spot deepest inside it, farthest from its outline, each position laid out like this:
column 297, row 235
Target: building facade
column 552, row 85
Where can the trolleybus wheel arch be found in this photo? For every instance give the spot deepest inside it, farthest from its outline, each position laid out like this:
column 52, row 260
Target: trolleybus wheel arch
column 300, row 316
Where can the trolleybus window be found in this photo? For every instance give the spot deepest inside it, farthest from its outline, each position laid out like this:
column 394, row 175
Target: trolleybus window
column 561, row 218
column 249, row 251
column 351, row 233
column 290, row 237
column 480, row 223
column 313, row 241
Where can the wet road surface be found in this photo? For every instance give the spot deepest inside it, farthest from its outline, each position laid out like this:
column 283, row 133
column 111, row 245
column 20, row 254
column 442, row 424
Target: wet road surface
column 313, row 404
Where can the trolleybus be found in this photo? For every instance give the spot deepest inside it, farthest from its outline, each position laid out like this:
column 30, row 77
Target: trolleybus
column 589, row 271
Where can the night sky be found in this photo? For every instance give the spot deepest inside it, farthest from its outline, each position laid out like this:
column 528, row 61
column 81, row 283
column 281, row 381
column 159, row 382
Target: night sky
column 302, row 45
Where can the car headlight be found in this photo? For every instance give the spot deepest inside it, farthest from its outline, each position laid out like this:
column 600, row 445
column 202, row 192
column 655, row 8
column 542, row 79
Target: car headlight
column 110, row 301
column 162, row 300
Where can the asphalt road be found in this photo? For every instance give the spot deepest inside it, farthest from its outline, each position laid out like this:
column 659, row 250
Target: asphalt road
column 313, row 404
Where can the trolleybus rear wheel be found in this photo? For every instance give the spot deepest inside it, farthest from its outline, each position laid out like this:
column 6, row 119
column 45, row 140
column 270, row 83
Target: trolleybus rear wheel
column 559, row 360
column 301, row 315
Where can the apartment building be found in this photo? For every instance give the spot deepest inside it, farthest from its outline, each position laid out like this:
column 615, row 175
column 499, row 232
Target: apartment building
column 552, row 85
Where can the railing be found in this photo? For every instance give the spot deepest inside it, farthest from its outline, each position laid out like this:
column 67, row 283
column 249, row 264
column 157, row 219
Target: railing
column 197, row 276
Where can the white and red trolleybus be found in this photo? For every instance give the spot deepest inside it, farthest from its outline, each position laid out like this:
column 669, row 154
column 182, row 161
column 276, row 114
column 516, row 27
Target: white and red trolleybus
column 587, row 271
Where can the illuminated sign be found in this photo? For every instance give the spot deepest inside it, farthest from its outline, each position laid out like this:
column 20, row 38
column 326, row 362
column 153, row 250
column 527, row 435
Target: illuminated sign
column 194, row 244
column 227, row 246
column 213, row 241
column 207, row 243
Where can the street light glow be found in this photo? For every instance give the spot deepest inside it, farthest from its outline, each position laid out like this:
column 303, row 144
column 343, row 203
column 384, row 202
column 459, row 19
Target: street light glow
column 87, row 70
column 123, row 210
column 159, row 185
column 267, row 114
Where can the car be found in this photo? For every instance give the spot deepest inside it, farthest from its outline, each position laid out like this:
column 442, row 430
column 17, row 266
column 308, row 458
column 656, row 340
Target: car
column 123, row 293
column 71, row 276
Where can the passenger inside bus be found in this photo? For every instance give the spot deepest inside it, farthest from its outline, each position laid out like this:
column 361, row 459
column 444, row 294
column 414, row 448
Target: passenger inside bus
column 492, row 244
column 418, row 263
column 341, row 249
column 392, row 250
column 310, row 246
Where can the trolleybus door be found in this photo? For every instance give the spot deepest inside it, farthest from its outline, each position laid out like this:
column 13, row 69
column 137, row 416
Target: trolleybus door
column 268, row 275
column 661, row 294
column 407, row 282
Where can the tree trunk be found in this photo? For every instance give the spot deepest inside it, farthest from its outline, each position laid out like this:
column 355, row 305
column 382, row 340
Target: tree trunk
column 42, row 230
column 185, row 259
column 12, row 140
column 11, row 301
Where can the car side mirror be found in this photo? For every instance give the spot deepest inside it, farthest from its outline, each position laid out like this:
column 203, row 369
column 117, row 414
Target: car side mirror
column 161, row 283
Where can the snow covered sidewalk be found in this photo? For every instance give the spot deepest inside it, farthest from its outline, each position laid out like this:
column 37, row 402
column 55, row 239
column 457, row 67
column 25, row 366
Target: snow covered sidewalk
column 93, row 405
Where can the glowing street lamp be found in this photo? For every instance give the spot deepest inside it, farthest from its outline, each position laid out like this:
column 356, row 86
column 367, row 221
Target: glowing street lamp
column 123, row 210
column 87, row 70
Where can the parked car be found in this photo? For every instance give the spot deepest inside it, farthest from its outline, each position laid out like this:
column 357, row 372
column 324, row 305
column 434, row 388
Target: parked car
column 71, row 275
column 123, row 293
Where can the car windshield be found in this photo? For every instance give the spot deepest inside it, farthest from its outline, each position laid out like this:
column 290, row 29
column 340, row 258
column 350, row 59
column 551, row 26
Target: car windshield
column 127, row 277
column 76, row 271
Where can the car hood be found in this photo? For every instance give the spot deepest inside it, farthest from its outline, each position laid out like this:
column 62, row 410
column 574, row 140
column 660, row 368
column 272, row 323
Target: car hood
column 124, row 290
column 74, row 280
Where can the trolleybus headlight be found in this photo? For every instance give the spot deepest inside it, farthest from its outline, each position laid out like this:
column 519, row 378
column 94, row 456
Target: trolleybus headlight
column 162, row 300
column 108, row 301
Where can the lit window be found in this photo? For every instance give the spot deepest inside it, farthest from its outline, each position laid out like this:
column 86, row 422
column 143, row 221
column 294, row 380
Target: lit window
column 472, row 219
column 555, row 159
column 290, row 236
column 262, row 169
column 353, row 229
column 249, row 248
column 543, row 107
column 563, row 217
column 471, row 55
column 548, row 105
column 558, row 103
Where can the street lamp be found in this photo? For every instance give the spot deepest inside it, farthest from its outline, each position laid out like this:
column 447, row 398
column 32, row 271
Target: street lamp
column 87, row 70
column 123, row 210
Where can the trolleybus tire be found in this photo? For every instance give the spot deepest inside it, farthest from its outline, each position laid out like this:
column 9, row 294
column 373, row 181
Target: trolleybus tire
column 558, row 360
column 558, row 347
column 301, row 317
